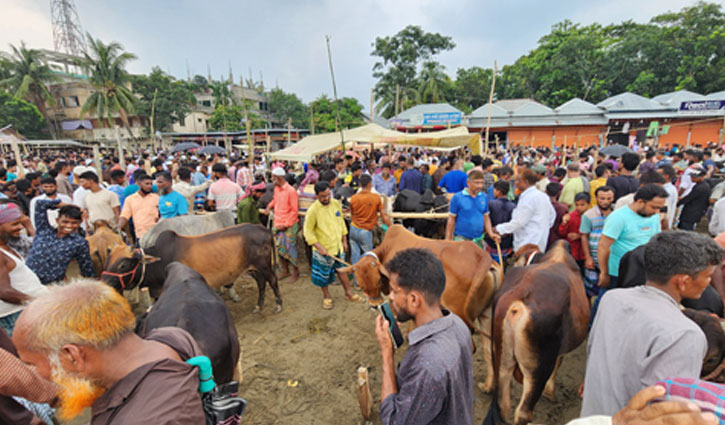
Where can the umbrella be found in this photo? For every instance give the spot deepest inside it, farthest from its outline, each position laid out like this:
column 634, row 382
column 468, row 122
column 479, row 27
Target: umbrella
column 180, row 147
column 615, row 150
column 212, row 149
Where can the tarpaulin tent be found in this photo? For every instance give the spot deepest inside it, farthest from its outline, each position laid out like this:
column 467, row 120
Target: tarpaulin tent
column 311, row 146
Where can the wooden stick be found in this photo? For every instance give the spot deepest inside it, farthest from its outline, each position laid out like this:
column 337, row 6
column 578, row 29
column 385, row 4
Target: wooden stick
column 18, row 159
column 490, row 106
column 500, row 258
column 364, row 396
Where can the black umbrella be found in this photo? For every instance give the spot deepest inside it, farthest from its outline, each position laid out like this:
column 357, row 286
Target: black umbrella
column 212, row 149
column 615, row 150
column 185, row 146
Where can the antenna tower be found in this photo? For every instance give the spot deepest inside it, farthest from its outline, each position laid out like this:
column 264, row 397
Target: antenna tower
column 67, row 32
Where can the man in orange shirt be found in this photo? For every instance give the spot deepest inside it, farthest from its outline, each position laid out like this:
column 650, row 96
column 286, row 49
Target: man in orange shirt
column 142, row 206
column 286, row 223
column 365, row 207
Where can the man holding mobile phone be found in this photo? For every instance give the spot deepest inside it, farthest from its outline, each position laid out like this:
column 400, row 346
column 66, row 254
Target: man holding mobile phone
column 434, row 382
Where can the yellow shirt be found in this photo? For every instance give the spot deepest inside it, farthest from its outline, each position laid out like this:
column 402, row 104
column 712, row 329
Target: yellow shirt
column 432, row 169
column 397, row 173
column 325, row 224
column 593, row 186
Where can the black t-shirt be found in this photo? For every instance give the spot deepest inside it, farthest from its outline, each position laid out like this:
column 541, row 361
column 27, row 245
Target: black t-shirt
column 623, row 185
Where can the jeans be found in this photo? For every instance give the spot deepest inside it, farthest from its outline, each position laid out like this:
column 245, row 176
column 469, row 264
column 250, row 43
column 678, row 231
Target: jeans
column 361, row 241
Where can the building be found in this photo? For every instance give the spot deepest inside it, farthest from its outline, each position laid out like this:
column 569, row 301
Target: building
column 427, row 117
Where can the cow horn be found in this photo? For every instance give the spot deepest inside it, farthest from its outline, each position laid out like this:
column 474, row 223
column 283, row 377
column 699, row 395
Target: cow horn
column 148, row 259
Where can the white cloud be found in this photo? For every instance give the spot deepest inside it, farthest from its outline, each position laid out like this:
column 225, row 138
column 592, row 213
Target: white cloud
column 23, row 20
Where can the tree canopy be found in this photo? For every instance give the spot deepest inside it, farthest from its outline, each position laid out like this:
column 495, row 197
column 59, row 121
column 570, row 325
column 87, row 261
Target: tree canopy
column 24, row 116
column 284, row 106
column 324, row 112
column 173, row 98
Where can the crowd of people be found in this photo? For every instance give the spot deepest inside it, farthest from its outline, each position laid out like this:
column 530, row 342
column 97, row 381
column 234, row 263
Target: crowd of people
column 605, row 207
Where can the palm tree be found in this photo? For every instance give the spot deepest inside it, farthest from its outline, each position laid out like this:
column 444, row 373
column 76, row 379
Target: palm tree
column 106, row 67
column 26, row 77
column 433, row 82
column 221, row 94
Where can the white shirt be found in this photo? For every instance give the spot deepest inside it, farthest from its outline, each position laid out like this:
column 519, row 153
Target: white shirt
column 671, row 204
column 21, row 279
column 686, row 182
column 52, row 214
column 530, row 220
column 717, row 222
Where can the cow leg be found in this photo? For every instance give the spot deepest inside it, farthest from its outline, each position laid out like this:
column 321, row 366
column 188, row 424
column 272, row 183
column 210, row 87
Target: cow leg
column 271, row 277
column 485, row 321
column 261, row 286
column 550, row 388
column 537, row 367
column 232, row 293
column 508, row 364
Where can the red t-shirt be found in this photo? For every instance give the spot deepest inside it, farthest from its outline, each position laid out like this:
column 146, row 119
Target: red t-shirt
column 572, row 226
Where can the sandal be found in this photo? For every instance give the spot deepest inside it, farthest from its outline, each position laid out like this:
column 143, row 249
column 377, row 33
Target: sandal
column 327, row 303
column 356, row 298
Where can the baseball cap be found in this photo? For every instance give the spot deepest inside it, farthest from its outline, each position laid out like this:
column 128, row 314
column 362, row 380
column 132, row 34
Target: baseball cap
column 698, row 170
column 538, row 169
column 278, row 171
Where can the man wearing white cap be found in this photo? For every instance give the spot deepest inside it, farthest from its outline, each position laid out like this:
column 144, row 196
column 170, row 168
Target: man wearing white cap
column 80, row 192
column 286, row 222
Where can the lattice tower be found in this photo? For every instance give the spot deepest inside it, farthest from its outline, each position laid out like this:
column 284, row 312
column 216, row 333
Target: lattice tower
column 67, row 32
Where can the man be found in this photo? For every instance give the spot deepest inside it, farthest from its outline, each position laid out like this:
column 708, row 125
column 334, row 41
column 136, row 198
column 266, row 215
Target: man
column 686, row 184
column 99, row 203
column 439, row 173
column 286, row 223
column 533, row 216
column 61, row 180
column 248, row 208
column 103, row 364
column 185, row 188
column 543, row 181
column 325, row 231
column 695, row 203
column 353, row 179
column 717, row 222
column 384, row 183
column 365, row 207
column 468, row 216
column 171, row 203
column 626, row 229
column 53, row 249
column 18, row 284
column 118, row 178
column 602, row 172
column 488, row 178
column 434, row 381
column 427, row 178
column 650, row 177
column 670, row 175
column 625, row 182
column 224, row 194
column 552, row 191
column 573, row 186
column 80, row 192
column 649, row 163
column 639, row 336
column 24, row 194
column 592, row 224
column 244, row 175
column 569, row 228
column 455, row 180
column 49, row 187
column 411, row 178
column 142, row 206
column 500, row 210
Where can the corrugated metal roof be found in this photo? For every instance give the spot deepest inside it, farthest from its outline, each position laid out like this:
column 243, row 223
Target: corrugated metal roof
column 532, row 109
column 720, row 95
column 626, row 102
column 673, row 99
column 482, row 111
column 577, row 106
column 511, row 105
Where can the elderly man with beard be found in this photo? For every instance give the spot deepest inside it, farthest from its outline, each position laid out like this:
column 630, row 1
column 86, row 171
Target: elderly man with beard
column 103, row 364
column 142, row 206
column 434, row 381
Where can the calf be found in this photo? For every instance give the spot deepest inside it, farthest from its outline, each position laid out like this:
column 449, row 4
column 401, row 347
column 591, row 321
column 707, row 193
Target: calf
column 189, row 303
column 220, row 257
column 101, row 243
column 540, row 313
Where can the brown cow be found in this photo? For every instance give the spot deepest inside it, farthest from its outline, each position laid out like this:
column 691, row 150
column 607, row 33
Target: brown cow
column 220, row 257
column 101, row 243
column 471, row 276
column 541, row 313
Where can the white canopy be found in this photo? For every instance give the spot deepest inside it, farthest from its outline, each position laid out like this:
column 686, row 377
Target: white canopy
column 311, row 146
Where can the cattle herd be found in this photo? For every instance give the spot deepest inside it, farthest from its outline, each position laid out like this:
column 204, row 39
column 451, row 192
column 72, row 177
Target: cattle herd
column 527, row 318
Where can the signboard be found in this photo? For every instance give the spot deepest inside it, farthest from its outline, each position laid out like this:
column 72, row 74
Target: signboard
column 702, row 107
column 442, row 118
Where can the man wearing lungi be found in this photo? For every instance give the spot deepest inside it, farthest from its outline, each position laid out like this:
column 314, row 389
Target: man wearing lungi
column 325, row 231
column 286, row 223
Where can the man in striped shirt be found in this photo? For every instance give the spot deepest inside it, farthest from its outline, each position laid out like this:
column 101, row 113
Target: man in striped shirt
column 591, row 230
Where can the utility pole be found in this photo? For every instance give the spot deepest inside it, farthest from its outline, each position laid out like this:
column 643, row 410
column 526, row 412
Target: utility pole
column 250, row 140
column 334, row 91
column 153, row 110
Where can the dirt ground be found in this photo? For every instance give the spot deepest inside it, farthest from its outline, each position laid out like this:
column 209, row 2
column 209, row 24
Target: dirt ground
column 299, row 366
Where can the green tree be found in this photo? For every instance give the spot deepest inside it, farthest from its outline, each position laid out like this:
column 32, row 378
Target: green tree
column 231, row 118
column 24, row 116
column 284, row 106
column 27, row 76
column 399, row 57
column 221, row 94
column 106, row 67
column 173, row 98
column 471, row 88
column 324, row 112
column 435, row 85
column 200, row 82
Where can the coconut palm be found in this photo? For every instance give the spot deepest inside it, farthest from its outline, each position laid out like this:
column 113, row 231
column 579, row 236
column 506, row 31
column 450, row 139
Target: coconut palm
column 433, row 82
column 221, row 94
column 105, row 65
column 27, row 76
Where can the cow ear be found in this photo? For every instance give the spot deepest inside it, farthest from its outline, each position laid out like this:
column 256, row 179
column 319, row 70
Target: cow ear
column 346, row 270
column 384, row 271
column 148, row 259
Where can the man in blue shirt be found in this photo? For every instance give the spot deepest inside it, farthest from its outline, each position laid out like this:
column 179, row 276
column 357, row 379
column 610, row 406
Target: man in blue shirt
column 384, row 183
column 411, row 178
column 53, row 249
column 171, row 202
column 469, row 215
column 118, row 177
column 455, row 180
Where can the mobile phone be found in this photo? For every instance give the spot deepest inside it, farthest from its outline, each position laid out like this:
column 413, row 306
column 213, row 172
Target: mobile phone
column 393, row 328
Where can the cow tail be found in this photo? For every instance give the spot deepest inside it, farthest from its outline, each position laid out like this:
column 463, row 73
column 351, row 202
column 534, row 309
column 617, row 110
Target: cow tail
column 274, row 252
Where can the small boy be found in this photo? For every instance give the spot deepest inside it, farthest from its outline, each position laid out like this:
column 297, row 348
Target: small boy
column 569, row 227
column 499, row 211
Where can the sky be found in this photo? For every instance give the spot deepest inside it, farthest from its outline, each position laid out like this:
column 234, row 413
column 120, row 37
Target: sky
column 283, row 41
